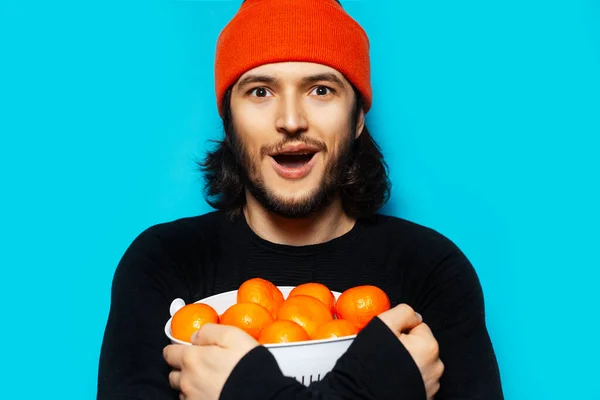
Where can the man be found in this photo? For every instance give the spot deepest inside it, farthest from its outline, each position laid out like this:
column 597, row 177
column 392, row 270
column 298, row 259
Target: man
column 297, row 182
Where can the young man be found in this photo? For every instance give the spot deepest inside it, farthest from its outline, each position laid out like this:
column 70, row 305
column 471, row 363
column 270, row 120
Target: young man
column 297, row 182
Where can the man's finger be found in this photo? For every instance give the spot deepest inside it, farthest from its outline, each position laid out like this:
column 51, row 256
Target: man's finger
column 173, row 355
column 422, row 330
column 401, row 318
column 174, row 378
column 215, row 335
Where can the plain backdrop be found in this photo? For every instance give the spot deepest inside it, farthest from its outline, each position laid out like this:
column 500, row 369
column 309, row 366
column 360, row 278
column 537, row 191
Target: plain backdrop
column 487, row 113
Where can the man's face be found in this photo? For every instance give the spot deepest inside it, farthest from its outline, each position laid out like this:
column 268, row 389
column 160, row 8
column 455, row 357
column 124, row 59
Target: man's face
column 293, row 126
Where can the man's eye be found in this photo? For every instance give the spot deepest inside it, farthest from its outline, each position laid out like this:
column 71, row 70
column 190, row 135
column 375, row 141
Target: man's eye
column 260, row 92
column 322, row 90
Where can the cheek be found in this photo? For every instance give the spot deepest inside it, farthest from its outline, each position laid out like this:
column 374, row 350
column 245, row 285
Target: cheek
column 340, row 141
column 250, row 137
column 333, row 127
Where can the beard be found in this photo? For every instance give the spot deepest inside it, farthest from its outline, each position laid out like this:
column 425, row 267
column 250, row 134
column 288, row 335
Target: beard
column 315, row 201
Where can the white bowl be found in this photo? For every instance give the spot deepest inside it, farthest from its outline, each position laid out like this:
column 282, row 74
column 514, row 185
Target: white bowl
column 306, row 361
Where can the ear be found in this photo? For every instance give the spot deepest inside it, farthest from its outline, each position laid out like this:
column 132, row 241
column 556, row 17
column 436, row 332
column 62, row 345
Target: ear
column 360, row 124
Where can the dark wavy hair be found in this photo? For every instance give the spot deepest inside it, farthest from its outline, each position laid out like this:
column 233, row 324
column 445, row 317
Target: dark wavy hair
column 364, row 185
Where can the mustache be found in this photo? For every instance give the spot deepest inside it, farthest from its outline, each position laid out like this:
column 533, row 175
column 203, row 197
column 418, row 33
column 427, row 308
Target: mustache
column 274, row 148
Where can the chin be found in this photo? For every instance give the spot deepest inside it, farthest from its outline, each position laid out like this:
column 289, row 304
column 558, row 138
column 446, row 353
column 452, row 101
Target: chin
column 299, row 204
column 292, row 198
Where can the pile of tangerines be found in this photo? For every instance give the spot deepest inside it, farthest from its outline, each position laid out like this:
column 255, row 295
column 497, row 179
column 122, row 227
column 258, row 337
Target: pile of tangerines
column 310, row 312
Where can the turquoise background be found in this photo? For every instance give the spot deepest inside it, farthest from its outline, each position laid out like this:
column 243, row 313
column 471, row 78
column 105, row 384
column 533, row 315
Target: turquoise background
column 487, row 111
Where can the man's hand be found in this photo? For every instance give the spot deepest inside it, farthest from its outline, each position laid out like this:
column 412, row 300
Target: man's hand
column 201, row 370
column 418, row 339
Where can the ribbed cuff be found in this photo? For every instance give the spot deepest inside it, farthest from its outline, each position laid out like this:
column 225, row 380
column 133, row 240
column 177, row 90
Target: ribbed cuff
column 386, row 366
column 256, row 376
column 375, row 366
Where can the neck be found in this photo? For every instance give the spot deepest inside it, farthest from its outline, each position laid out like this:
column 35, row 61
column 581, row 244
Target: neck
column 323, row 226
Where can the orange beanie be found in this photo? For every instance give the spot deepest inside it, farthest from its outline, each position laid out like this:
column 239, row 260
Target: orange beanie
column 270, row 31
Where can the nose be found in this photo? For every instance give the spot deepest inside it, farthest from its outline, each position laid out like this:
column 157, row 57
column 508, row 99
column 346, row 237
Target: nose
column 291, row 119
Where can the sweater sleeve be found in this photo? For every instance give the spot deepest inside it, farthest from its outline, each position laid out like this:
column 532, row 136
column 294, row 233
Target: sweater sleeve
column 451, row 302
column 375, row 367
column 131, row 365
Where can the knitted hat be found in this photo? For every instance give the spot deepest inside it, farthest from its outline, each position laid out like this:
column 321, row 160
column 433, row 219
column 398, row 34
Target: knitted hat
column 270, row 31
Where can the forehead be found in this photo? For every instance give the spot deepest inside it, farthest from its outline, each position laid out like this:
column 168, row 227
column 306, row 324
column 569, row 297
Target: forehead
column 292, row 71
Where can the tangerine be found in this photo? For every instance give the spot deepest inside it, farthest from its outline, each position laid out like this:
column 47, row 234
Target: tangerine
column 250, row 317
column 282, row 331
column 360, row 304
column 318, row 291
column 260, row 291
column 335, row 328
column 306, row 311
column 191, row 317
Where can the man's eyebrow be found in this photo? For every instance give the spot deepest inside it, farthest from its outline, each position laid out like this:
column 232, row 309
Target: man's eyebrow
column 256, row 79
column 329, row 77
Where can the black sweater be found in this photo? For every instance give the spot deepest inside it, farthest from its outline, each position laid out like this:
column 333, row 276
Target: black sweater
column 196, row 257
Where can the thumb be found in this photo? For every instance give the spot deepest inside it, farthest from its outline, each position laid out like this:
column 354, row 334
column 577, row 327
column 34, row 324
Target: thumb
column 401, row 318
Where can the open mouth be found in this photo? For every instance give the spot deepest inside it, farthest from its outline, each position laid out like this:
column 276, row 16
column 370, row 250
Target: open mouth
column 293, row 160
